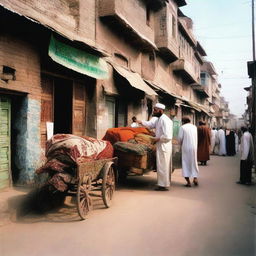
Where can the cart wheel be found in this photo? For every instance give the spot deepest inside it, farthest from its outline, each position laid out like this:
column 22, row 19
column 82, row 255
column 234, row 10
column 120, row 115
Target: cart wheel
column 108, row 184
column 84, row 202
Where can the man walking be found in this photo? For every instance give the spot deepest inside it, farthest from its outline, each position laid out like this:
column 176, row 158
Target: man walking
column 204, row 142
column 247, row 155
column 213, row 141
column 188, row 139
column 164, row 129
column 222, row 142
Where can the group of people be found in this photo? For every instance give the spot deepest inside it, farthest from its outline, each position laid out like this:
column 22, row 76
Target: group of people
column 196, row 144
column 224, row 142
column 163, row 126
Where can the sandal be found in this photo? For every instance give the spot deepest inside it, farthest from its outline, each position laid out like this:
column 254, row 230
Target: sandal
column 188, row 185
column 195, row 182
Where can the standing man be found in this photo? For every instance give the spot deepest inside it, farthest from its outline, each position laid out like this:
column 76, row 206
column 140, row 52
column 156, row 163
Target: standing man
column 204, row 142
column 213, row 140
column 231, row 143
column 188, row 139
column 134, row 123
column 247, row 155
column 222, row 142
column 164, row 130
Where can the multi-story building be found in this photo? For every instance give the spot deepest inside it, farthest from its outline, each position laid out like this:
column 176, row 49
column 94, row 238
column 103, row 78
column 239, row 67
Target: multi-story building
column 82, row 67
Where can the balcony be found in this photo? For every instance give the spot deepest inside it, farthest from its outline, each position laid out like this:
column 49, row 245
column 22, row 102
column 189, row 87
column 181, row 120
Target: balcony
column 185, row 69
column 128, row 18
column 201, row 89
column 166, row 35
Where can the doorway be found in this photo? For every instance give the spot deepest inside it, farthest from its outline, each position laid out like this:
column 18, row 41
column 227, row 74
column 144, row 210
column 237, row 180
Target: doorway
column 63, row 94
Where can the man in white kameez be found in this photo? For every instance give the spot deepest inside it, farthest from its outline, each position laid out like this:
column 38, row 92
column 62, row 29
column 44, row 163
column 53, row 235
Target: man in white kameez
column 164, row 130
column 222, row 142
column 213, row 140
column 188, row 140
column 247, row 157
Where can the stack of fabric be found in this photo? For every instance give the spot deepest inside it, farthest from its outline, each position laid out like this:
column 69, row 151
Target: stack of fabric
column 138, row 152
column 114, row 135
column 65, row 151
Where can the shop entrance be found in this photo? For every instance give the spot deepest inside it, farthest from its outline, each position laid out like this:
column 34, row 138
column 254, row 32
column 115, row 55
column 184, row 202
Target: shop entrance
column 63, row 94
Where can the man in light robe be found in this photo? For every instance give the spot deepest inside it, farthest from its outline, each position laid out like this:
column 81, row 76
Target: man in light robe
column 247, row 157
column 213, row 140
column 164, row 129
column 222, row 142
column 188, row 139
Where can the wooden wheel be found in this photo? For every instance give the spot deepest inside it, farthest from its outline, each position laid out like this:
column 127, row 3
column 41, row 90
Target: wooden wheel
column 84, row 202
column 108, row 184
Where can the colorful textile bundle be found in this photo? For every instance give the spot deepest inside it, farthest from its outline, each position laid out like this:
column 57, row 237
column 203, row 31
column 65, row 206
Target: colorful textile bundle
column 124, row 134
column 65, row 151
column 128, row 147
column 139, row 152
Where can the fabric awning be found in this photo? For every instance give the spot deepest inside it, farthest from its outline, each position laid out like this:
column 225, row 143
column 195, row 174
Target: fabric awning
column 135, row 80
column 78, row 60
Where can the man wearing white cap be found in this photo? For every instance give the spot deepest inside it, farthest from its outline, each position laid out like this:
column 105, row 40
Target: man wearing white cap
column 164, row 129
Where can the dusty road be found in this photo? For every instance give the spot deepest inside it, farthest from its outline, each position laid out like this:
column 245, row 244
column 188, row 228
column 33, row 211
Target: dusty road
column 217, row 218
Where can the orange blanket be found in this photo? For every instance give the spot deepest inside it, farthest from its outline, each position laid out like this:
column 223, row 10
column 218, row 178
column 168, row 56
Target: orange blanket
column 124, row 133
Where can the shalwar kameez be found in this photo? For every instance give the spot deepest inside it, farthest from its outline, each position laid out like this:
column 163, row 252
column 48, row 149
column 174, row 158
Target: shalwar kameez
column 222, row 142
column 164, row 129
column 188, row 139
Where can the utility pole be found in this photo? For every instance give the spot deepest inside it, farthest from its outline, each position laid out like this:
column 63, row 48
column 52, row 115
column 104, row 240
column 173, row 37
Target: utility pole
column 253, row 32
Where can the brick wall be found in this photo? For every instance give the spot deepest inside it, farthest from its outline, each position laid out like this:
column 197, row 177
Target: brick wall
column 23, row 57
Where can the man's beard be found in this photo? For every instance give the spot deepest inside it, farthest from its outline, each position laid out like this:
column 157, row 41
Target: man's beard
column 157, row 114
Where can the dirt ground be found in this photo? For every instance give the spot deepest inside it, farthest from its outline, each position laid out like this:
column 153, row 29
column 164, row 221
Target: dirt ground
column 217, row 218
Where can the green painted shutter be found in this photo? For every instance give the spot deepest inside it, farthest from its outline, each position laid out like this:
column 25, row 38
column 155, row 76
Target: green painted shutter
column 5, row 154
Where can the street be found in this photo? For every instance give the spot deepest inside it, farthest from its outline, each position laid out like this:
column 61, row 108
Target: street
column 217, row 218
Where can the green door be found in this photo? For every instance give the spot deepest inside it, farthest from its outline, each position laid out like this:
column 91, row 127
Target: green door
column 5, row 154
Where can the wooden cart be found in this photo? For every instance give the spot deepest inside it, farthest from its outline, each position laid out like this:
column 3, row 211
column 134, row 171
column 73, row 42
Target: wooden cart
column 130, row 164
column 98, row 175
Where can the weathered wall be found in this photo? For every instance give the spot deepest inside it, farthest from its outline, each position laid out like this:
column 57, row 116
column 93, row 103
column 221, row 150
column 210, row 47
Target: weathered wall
column 23, row 57
column 113, row 44
column 133, row 12
column 27, row 159
column 61, row 15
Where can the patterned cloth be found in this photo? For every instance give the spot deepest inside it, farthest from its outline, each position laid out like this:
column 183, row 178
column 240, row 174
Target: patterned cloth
column 65, row 151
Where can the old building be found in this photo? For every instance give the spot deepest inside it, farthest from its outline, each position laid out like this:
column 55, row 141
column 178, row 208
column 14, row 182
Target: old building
column 82, row 67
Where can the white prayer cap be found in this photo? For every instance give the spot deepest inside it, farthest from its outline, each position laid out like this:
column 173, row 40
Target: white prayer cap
column 160, row 105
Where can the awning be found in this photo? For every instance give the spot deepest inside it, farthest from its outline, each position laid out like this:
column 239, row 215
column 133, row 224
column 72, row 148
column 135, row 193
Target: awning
column 198, row 107
column 135, row 80
column 78, row 60
column 158, row 88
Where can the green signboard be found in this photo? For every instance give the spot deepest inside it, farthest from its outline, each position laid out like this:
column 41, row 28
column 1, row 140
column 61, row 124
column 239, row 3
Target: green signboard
column 78, row 60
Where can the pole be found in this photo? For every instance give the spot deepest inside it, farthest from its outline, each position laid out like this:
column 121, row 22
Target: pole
column 253, row 32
